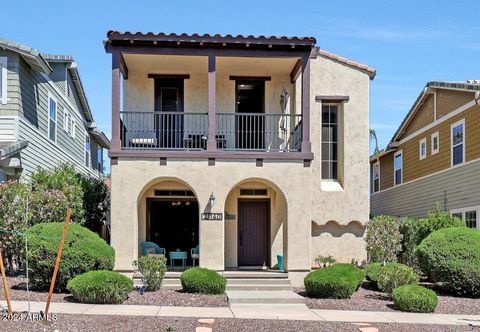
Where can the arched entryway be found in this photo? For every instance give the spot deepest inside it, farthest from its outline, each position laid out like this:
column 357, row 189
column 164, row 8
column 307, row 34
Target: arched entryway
column 169, row 217
column 255, row 225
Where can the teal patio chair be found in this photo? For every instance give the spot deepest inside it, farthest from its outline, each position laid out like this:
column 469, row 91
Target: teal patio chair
column 195, row 253
column 148, row 246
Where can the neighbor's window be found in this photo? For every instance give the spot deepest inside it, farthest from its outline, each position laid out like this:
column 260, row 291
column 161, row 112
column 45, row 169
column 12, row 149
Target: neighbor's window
column 100, row 159
column 423, row 148
column 458, row 140
column 52, row 120
column 330, row 142
column 3, row 80
column 87, row 150
column 376, row 177
column 435, row 143
column 398, row 168
column 469, row 215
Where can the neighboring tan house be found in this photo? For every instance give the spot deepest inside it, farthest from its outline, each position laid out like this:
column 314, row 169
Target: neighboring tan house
column 433, row 158
column 45, row 119
column 246, row 146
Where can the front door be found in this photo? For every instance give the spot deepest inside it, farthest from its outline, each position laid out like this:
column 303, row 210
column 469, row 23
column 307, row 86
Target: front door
column 169, row 113
column 250, row 117
column 253, row 221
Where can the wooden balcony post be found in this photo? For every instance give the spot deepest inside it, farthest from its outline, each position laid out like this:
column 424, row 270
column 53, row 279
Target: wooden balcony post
column 306, row 145
column 212, row 121
column 116, row 144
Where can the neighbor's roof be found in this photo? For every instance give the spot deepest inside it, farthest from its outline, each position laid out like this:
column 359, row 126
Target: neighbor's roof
column 31, row 55
column 357, row 65
column 470, row 85
column 211, row 39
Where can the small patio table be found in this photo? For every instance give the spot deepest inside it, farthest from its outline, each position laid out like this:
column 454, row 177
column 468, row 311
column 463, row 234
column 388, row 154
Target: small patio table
column 178, row 255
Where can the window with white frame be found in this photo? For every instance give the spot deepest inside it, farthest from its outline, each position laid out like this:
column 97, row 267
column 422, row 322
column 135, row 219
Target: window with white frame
column 330, row 142
column 376, row 176
column 73, row 127
column 470, row 215
column 398, row 168
column 68, row 123
column 52, row 119
column 458, row 142
column 100, row 159
column 435, row 143
column 422, row 147
column 87, row 150
column 3, row 80
column 65, row 120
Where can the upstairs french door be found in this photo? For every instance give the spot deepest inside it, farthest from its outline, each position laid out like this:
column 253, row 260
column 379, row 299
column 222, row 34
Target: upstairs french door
column 169, row 113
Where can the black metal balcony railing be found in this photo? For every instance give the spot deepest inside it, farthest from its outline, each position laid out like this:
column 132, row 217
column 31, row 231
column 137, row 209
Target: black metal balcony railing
column 189, row 131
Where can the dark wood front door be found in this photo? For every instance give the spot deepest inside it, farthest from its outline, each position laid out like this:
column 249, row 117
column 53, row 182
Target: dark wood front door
column 169, row 112
column 253, row 221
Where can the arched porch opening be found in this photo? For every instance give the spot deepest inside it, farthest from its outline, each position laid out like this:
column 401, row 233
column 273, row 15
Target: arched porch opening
column 255, row 225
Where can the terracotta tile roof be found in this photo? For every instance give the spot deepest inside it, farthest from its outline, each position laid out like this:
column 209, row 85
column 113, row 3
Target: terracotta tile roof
column 207, row 38
column 369, row 70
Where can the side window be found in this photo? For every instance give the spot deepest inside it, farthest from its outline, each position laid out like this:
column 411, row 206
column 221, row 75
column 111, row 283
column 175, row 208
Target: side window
column 471, row 216
column 100, row 159
column 330, row 142
column 423, row 148
column 52, row 119
column 87, row 150
column 376, row 177
column 3, row 80
column 398, row 168
column 435, row 143
column 458, row 140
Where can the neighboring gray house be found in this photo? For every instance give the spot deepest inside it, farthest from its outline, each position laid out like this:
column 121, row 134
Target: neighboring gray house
column 45, row 119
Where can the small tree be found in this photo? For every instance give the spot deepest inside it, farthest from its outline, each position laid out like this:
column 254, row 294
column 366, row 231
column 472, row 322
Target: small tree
column 383, row 239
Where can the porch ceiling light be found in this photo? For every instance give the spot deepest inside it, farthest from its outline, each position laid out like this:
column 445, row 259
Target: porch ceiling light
column 211, row 200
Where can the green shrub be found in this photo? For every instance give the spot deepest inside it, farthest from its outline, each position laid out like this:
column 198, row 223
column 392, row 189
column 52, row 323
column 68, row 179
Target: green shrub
column 153, row 270
column 383, row 239
column 96, row 202
column 414, row 298
column 452, row 256
column 338, row 281
column 101, row 287
column 372, row 270
column 83, row 251
column 393, row 275
column 203, row 281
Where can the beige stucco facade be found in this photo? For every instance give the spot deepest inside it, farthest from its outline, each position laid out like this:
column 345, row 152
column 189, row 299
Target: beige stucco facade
column 308, row 216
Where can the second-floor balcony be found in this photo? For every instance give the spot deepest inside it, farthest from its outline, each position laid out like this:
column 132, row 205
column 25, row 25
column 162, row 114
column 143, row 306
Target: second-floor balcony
column 189, row 131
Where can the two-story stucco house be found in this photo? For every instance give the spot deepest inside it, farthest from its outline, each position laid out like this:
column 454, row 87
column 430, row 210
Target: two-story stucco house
column 247, row 146
column 45, row 119
column 434, row 156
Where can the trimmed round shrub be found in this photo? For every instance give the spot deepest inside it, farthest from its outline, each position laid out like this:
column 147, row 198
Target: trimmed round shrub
column 338, row 281
column 372, row 270
column 414, row 298
column 202, row 281
column 394, row 275
column 452, row 256
column 83, row 251
column 101, row 287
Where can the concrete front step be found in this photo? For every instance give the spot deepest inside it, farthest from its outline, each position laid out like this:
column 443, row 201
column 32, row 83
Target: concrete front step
column 264, row 297
column 258, row 287
column 254, row 275
column 248, row 281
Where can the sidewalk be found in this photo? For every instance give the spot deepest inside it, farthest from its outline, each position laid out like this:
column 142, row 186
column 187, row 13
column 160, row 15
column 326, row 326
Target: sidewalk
column 260, row 311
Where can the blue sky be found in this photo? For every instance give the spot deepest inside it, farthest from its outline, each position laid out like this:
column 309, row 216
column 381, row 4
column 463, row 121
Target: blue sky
column 408, row 42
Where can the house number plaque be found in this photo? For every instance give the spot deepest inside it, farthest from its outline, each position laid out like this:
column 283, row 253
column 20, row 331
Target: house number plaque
column 212, row 216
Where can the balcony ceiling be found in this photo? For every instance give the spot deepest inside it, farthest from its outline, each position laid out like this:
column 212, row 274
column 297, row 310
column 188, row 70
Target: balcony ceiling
column 177, row 64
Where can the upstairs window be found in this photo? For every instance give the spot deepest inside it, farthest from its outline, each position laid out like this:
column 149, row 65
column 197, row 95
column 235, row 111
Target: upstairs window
column 87, row 150
column 52, row 119
column 330, row 142
column 435, row 143
column 376, row 177
column 423, row 148
column 3, row 80
column 68, row 123
column 458, row 140
column 398, row 168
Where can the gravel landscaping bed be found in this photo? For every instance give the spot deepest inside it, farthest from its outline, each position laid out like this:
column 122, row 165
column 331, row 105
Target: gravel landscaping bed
column 164, row 297
column 131, row 323
column 367, row 299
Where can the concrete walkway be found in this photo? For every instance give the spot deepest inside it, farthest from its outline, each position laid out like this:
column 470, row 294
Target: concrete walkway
column 250, row 311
